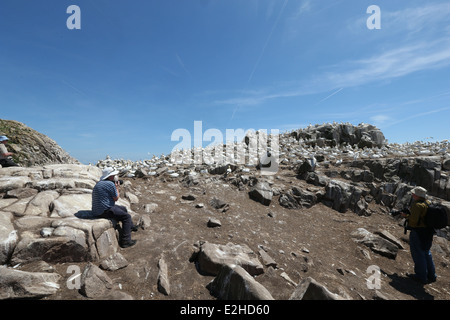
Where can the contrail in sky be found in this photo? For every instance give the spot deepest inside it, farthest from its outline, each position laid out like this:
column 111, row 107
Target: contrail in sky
column 324, row 99
column 267, row 41
column 262, row 51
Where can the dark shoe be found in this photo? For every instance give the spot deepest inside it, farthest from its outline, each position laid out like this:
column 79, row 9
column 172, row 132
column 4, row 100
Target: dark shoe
column 127, row 244
column 416, row 278
column 134, row 228
column 431, row 280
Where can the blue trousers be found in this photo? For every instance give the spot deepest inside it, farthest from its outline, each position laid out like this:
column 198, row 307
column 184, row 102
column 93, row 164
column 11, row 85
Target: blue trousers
column 120, row 213
column 420, row 242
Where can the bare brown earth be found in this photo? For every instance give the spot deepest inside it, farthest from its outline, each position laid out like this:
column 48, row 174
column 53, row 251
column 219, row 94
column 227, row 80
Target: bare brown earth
column 314, row 242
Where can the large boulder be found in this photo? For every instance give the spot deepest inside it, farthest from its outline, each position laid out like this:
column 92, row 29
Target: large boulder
column 341, row 196
column 24, row 285
column 297, row 197
column 262, row 192
column 210, row 258
column 234, row 283
column 95, row 283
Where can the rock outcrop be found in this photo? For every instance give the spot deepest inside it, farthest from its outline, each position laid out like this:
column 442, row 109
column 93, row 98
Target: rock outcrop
column 32, row 148
column 45, row 215
column 335, row 134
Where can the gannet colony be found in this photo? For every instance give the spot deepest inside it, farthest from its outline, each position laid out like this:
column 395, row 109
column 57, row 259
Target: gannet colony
column 322, row 145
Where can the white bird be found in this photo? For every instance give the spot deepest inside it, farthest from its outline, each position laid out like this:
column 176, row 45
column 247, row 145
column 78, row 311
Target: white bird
column 312, row 162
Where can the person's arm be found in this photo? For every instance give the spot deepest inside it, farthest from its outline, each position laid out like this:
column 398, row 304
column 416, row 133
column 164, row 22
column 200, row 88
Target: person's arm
column 3, row 151
column 116, row 185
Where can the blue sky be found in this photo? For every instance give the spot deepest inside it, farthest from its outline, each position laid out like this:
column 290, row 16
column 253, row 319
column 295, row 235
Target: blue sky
column 138, row 70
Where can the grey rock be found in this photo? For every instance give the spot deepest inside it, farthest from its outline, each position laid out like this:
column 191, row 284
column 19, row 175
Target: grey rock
column 341, row 196
column 376, row 243
column 69, row 205
column 288, row 200
column 163, row 277
column 267, row 260
column 8, row 237
column 213, row 222
column 114, row 262
column 262, row 192
column 218, row 204
column 446, row 164
column 235, row 283
column 388, row 236
column 305, row 198
column 52, row 249
column 310, row 289
column 211, row 257
column 21, row 284
column 21, row 193
column 95, row 282
column 107, row 243
column 151, row 207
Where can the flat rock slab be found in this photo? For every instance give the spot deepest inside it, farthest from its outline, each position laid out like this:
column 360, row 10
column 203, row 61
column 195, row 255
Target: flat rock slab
column 22, row 284
column 212, row 257
column 376, row 243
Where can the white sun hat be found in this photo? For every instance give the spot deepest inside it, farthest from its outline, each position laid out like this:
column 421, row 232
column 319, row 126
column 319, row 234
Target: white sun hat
column 107, row 172
column 420, row 192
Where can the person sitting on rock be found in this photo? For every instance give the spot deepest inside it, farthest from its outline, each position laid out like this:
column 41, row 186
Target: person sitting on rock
column 420, row 238
column 5, row 156
column 104, row 197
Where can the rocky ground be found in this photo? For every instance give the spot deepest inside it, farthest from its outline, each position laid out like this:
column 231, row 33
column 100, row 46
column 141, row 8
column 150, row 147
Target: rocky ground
column 314, row 242
column 328, row 222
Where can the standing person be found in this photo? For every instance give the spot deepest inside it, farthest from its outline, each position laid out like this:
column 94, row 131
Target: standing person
column 5, row 156
column 104, row 196
column 420, row 238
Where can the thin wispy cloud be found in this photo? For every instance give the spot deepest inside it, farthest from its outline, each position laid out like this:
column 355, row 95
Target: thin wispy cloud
column 417, row 19
column 380, row 120
column 260, row 97
column 394, row 63
column 401, row 59
column 180, row 62
column 409, row 21
column 267, row 41
column 416, row 115
column 391, row 64
column 398, row 61
column 258, row 60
